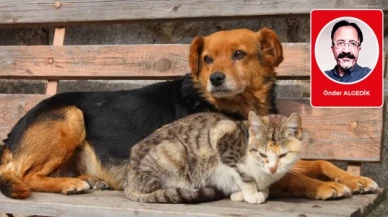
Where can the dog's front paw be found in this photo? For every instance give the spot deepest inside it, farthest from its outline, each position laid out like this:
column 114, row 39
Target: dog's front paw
column 255, row 198
column 75, row 186
column 331, row 190
column 359, row 184
column 237, row 196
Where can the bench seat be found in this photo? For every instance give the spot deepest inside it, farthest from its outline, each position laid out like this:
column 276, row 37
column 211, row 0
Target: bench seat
column 114, row 203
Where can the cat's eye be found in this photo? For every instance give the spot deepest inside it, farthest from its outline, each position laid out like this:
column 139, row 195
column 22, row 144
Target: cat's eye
column 238, row 55
column 261, row 153
column 283, row 155
column 208, row 60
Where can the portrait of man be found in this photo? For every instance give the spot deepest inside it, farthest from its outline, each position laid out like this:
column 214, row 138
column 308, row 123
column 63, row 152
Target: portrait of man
column 346, row 40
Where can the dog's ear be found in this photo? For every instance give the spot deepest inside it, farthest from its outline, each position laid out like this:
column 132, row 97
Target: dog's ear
column 195, row 55
column 270, row 46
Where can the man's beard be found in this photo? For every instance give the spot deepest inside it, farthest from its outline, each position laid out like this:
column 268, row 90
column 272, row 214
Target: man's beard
column 346, row 64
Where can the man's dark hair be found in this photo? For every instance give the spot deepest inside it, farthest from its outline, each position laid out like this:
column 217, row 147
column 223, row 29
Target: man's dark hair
column 346, row 23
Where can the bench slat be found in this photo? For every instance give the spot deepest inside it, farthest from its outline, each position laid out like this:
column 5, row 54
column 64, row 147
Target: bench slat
column 113, row 203
column 121, row 61
column 13, row 107
column 327, row 132
column 44, row 11
column 350, row 134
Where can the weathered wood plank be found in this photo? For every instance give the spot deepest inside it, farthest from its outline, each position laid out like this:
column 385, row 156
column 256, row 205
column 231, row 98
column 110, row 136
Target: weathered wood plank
column 385, row 68
column 59, row 39
column 327, row 132
column 354, row 169
column 121, row 61
column 113, row 203
column 12, row 108
column 351, row 134
column 70, row 11
column 364, row 204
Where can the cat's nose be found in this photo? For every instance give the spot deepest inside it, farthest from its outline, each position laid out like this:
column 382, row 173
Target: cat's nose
column 273, row 169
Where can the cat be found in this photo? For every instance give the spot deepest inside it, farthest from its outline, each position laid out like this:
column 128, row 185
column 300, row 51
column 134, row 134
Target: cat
column 207, row 156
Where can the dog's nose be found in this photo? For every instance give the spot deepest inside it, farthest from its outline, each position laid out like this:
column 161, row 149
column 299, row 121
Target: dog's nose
column 217, row 78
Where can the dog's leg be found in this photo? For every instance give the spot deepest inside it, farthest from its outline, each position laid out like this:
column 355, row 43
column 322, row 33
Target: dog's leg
column 301, row 185
column 65, row 136
column 46, row 145
column 57, row 185
column 325, row 170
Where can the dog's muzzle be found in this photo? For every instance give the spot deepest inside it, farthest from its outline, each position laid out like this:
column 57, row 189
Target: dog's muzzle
column 220, row 86
column 217, row 79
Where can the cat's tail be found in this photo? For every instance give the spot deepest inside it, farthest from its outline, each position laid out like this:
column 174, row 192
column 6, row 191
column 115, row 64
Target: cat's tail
column 10, row 183
column 176, row 195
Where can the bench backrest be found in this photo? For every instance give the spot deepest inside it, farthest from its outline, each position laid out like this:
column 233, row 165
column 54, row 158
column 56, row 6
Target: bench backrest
column 353, row 135
column 65, row 12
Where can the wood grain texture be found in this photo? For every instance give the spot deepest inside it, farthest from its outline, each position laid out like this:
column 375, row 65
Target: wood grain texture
column 385, row 64
column 124, row 61
column 350, row 134
column 354, row 169
column 12, row 108
column 327, row 132
column 59, row 39
column 70, row 11
column 59, row 36
column 121, row 61
column 113, row 203
column 52, row 87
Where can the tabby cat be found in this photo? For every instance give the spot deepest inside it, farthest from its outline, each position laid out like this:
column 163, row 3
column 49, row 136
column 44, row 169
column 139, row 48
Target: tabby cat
column 206, row 156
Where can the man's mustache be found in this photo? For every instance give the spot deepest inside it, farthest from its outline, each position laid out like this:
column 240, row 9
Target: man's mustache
column 346, row 55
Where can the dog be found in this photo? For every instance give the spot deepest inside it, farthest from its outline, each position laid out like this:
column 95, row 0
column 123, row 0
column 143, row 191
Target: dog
column 73, row 142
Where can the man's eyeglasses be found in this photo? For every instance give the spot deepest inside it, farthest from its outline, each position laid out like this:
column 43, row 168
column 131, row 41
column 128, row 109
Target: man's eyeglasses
column 351, row 44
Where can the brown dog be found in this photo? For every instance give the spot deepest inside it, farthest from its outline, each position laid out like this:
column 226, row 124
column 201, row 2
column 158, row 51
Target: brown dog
column 75, row 141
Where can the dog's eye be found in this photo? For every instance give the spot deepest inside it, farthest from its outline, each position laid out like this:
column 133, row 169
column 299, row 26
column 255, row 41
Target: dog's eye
column 208, row 60
column 238, row 55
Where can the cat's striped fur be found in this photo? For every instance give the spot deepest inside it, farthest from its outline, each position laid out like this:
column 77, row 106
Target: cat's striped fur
column 207, row 156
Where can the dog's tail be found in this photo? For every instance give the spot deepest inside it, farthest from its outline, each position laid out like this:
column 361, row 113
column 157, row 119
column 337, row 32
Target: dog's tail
column 10, row 183
column 176, row 195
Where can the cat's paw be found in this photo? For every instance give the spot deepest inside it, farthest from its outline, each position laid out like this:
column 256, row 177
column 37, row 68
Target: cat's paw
column 237, row 196
column 255, row 198
column 94, row 183
column 359, row 184
column 98, row 184
column 331, row 190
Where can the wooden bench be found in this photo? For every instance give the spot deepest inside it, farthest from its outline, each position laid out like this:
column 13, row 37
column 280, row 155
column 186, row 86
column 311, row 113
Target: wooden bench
column 364, row 128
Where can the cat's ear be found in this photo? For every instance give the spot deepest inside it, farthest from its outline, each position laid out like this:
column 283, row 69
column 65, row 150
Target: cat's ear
column 293, row 126
column 256, row 125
